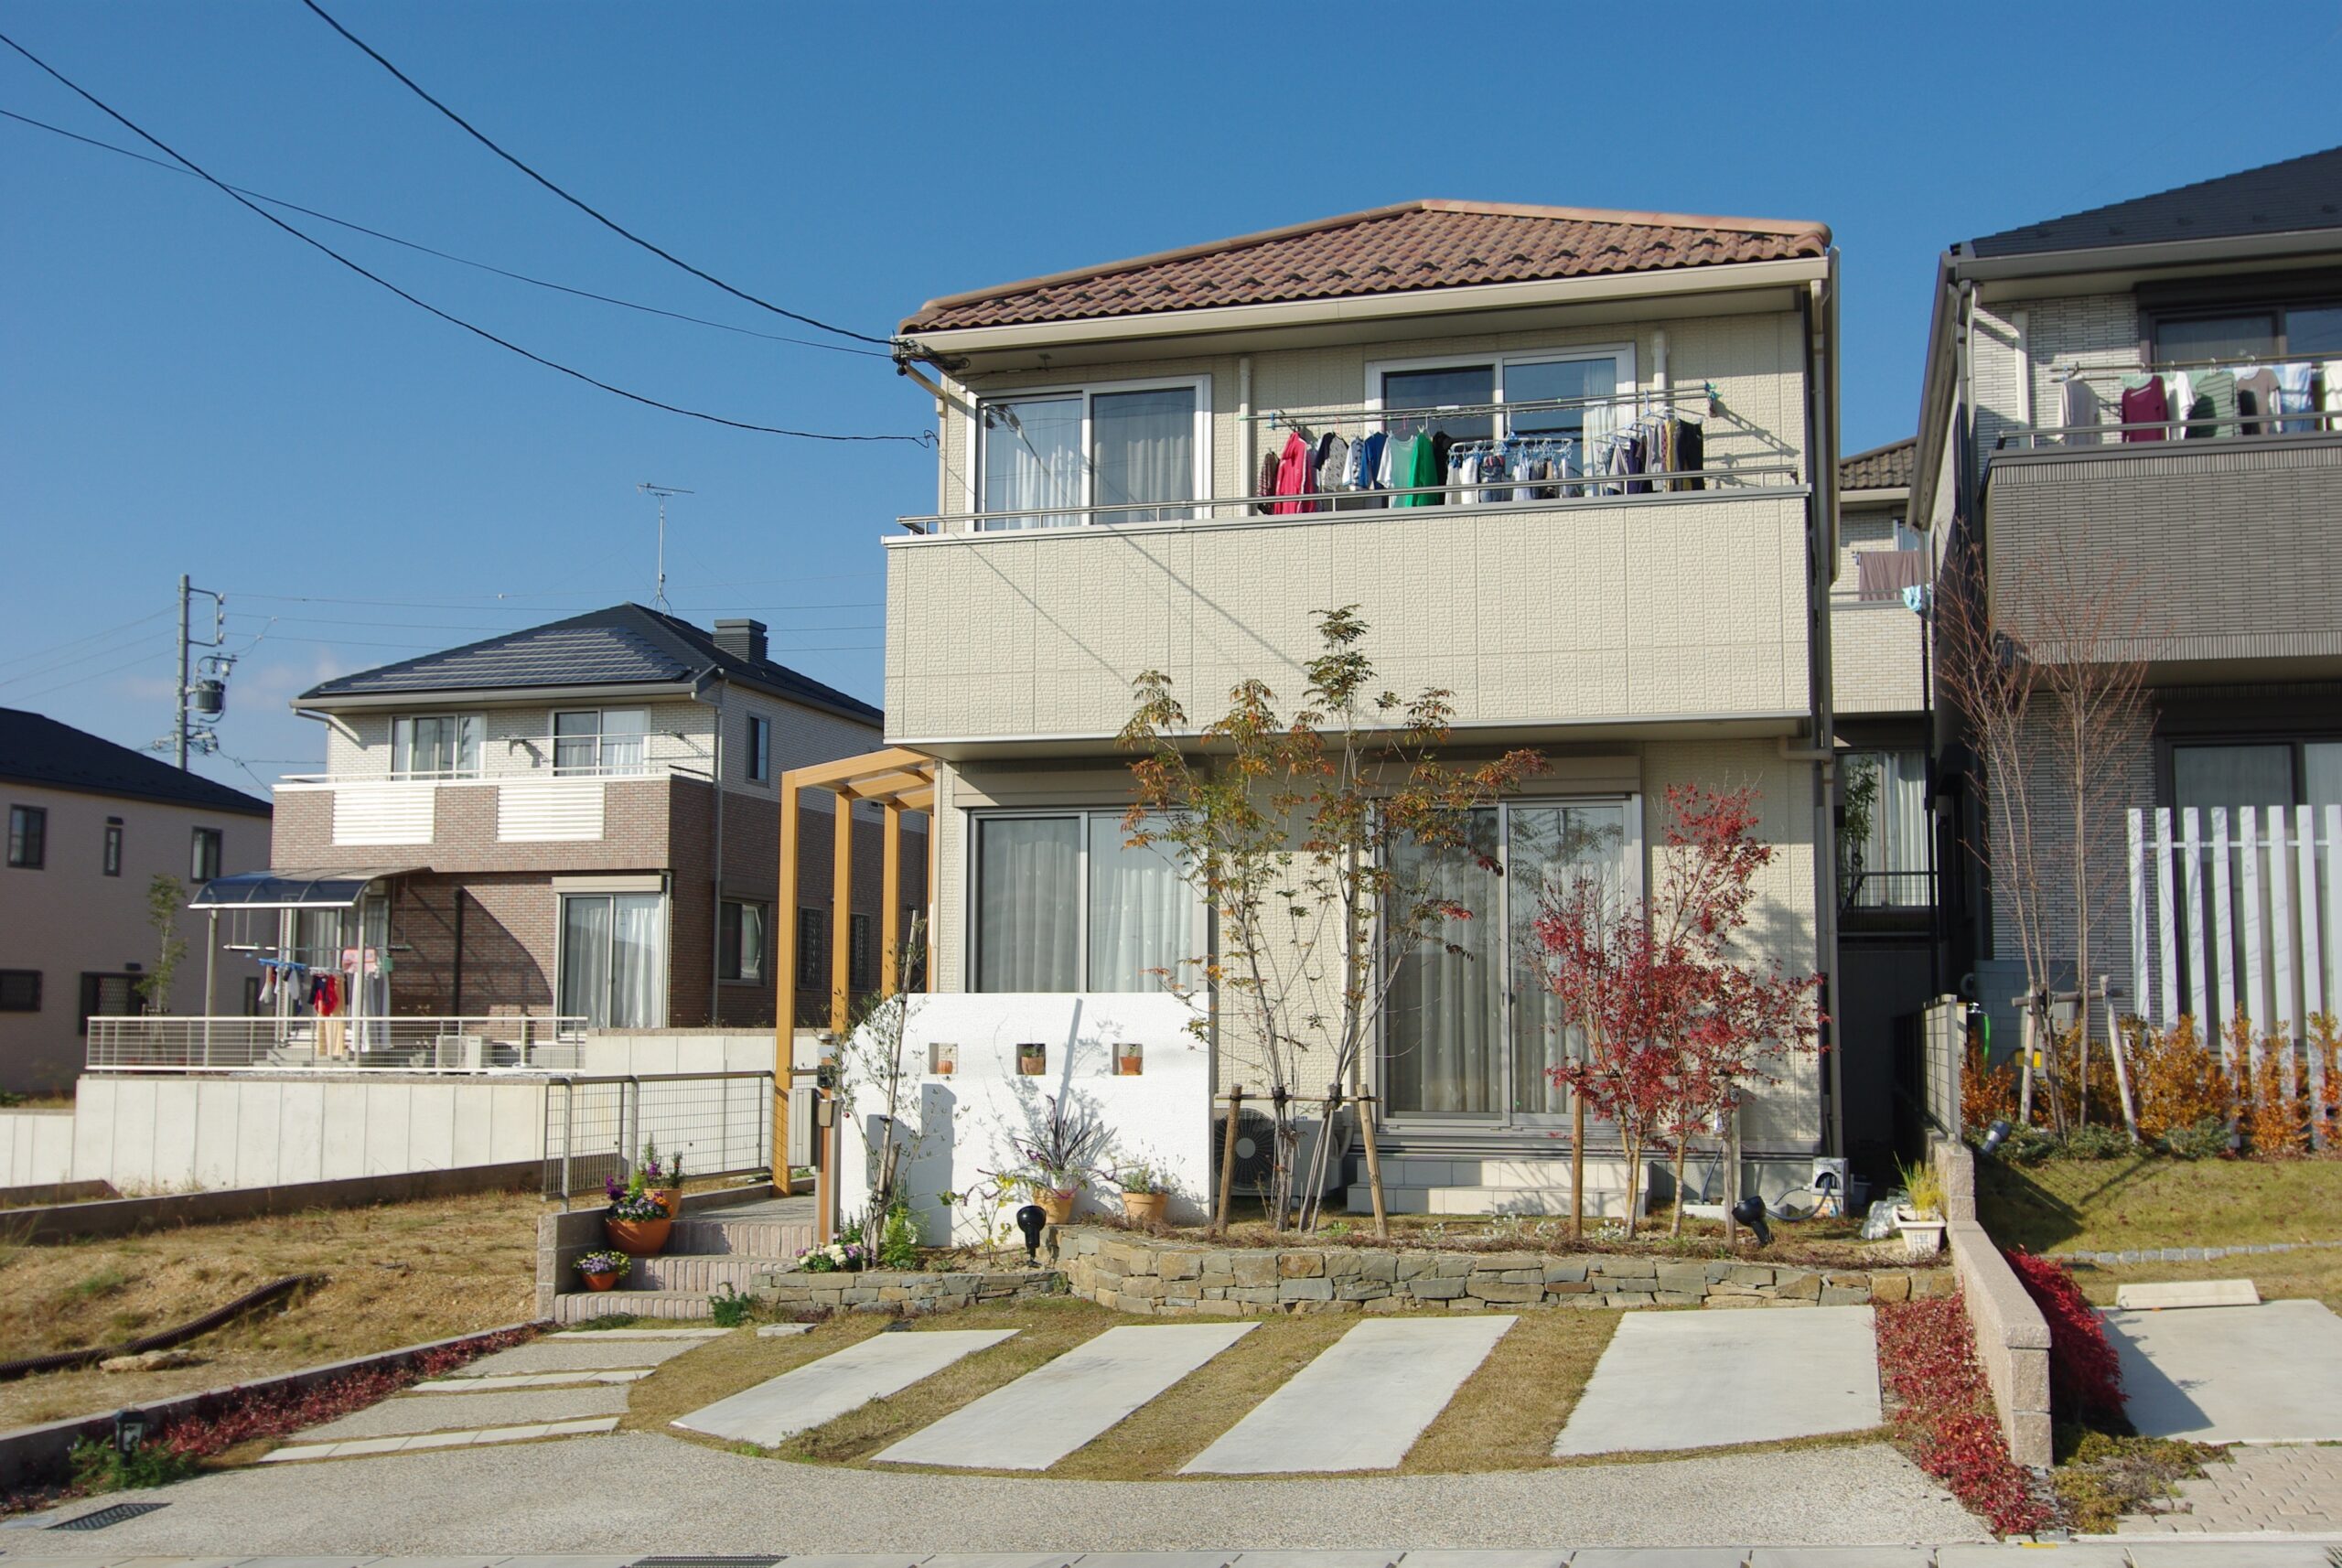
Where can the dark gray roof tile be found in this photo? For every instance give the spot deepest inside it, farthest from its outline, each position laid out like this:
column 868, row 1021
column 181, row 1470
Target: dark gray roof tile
column 36, row 750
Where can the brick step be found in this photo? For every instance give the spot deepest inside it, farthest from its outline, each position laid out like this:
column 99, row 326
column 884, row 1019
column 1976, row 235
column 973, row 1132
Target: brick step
column 739, row 1238
column 578, row 1306
column 698, row 1274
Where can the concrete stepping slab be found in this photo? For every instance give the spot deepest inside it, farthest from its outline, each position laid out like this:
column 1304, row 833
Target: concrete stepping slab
column 1706, row 1380
column 437, row 1413
column 1332, row 1559
column 2157, row 1296
column 2228, row 1554
column 358, row 1448
column 580, row 1353
column 823, row 1391
column 576, row 1333
column 2051, row 1554
column 1362, row 1403
column 1465, row 1558
column 1054, row 1409
column 463, row 1385
column 2270, row 1373
column 1659, row 1557
column 1842, row 1557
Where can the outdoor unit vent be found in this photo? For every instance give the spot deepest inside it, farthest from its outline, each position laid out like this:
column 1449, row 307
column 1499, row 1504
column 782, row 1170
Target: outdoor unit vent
column 1255, row 1151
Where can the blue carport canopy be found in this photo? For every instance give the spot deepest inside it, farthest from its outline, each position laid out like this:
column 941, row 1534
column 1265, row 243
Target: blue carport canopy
column 290, row 890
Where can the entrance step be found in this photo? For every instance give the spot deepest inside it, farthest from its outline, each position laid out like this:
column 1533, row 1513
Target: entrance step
column 578, row 1306
column 699, row 1274
column 742, row 1238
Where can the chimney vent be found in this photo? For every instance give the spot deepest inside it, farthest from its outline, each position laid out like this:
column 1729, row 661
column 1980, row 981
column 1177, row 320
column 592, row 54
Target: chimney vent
column 742, row 639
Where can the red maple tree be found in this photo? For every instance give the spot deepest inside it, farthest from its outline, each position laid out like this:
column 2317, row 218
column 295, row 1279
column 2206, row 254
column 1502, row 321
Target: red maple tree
column 1669, row 1017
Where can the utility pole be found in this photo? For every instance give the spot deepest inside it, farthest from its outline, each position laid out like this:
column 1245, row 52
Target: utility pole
column 198, row 698
column 659, row 599
column 179, row 724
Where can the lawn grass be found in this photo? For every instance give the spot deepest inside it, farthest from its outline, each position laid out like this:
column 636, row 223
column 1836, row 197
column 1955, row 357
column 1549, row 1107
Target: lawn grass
column 2112, row 1206
column 1505, row 1417
column 396, row 1274
column 2312, row 1274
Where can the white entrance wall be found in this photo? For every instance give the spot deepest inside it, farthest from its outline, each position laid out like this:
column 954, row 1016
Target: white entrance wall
column 959, row 1127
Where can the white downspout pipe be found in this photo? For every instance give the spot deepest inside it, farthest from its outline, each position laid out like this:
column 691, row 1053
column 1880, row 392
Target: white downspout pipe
column 1245, row 471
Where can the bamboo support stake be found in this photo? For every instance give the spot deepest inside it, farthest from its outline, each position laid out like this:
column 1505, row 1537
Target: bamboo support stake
column 1577, row 1166
column 1366, row 1105
column 1228, row 1157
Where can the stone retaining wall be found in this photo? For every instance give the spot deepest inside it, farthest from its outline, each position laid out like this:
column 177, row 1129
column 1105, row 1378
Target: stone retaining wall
column 795, row 1291
column 2011, row 1337
column 1140, row 1275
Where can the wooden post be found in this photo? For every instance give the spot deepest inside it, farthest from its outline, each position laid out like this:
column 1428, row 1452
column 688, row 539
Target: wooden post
column 1577, row 1166
column 1228, row 1157
column 890, row 901
column 1366, row 1105
column 840, row 915
column 934, row 833
column 784, row 1028
column 2121, row 1065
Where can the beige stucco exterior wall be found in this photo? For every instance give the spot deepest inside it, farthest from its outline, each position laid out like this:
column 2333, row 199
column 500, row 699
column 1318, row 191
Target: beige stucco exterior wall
column 1875, row 662
column 69, row 918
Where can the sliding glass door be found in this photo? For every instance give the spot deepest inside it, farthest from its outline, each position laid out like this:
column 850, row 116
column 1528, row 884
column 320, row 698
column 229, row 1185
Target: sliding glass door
column 613, row 960
column 1470, row 1030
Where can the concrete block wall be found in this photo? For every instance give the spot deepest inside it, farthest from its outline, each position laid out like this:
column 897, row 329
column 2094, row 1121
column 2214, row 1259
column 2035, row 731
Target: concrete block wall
column 2011, row 1337
column 35, row 1147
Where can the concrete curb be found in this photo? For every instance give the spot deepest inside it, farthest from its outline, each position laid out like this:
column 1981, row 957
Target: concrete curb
column 2011, row 1337
column 127, row 1215
column 33, row 1453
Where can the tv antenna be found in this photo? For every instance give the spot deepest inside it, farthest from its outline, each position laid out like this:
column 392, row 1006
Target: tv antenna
column 659, row 600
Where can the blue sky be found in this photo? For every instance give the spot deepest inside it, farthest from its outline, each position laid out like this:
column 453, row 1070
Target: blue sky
column 186, row 389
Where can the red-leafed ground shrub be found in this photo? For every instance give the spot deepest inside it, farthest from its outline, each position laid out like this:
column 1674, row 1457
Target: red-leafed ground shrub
column 2085, row 1374
column 1944, row 1417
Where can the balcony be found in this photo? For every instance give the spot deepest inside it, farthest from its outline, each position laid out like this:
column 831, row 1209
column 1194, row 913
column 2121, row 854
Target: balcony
column 161, row 1043
column 1581, row 607
column 2227, row 534
column 480, row 822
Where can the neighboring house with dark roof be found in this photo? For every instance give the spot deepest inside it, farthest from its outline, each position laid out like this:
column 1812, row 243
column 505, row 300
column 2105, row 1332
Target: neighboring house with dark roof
column 532, row 824
column 1122, row 447
column 90, row 825
column 2145, row 400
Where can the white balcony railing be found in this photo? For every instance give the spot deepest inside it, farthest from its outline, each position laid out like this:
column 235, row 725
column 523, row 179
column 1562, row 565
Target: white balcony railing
column 166, row 1043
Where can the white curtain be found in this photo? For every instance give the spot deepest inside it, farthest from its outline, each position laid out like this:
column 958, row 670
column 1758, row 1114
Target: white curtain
column 1032, row 459
column 638, row 978
column 1886, row 864
column 622, row 739
column 586, row 961
column 1139, row 911
column 1145, row 445
column 1028, row 904
column 1442, row 1028
column 752, row 941
column 1548, row 849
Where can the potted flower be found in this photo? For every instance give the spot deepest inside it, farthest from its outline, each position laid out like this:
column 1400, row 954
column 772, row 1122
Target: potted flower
column 943, row 1057
column 603, row 1271
column 1059, row 1153
column 839, row 1256
column 1144, row 1197
column 1920, row 1217
column 1032, row 1058
column 663, row 1181
column 1130, row 1059
column 638, row 1220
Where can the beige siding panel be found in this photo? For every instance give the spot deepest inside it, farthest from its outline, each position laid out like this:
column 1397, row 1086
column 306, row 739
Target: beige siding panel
column 1875, row 658
column 383, row 813
column 549, row 808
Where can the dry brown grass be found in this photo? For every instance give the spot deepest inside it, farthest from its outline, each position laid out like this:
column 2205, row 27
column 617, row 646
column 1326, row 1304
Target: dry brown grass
column 2313, row 1274
column 1508, row 1414
column 739, row 1361
column 468, row 1264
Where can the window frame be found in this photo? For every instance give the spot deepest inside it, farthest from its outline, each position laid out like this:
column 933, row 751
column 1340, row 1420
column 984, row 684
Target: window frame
column 403, row 745
column 728, row 949
column 2295, row 742
column 199, row 838
column 664, row 970
column 980, row 436
column 20, row 974
column 1896, row 876
column 813, row 946
column 28, row 837
column 1622, row 355
column 109, row 857
column 758, row 761
column 601, row 737
column 861, row 953
column 1198, row 916
column 92, row 981
column 2278, row 304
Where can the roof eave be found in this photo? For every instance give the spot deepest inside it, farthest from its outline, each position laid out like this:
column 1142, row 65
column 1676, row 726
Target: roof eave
column 253, row 806
column 1718, row 277
column 492, row 696
column 1966, row 266
column 1877, row 496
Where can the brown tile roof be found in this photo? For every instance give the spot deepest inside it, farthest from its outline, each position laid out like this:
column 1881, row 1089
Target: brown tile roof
column 1389, row 249
column 1884, row 468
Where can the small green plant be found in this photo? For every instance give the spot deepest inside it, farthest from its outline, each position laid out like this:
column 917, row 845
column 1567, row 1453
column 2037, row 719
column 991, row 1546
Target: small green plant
column 2105, row 1476
column 898, row 1243
column 2206, row 1139
column 99, row 1466
column 1138, row 1178
column 729, row 1308
column 1925, row 1188
column 611, row 1320
column 2098, row 1141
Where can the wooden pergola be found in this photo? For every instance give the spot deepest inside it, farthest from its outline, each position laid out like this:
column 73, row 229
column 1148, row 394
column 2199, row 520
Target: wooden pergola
column 897, row 781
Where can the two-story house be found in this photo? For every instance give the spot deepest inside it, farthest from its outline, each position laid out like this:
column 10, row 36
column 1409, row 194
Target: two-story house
column 579, row 820
column 1137, row 472
column 90, row 826
column 2142, row 402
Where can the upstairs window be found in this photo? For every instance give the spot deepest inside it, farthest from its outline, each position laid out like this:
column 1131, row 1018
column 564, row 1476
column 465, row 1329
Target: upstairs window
column 1126, row 447
column 1589, row 396
column 1882, row 830
column 605, row 740
column 112, row 865
column 740, row 942
column 759, row 748
column 436, row 746
column 28, row 837
column 203, row 854
column 2260, row 333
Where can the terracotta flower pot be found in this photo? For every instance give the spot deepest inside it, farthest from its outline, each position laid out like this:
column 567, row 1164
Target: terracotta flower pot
column 638, row 1238
column 1032, row 1066
column 603, row 1281
column 1128, row 1067
column 1057, row 1203
column 671, row 1198
column 1144, row 1208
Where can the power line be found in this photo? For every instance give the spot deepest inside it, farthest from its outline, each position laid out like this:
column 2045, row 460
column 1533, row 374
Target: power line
column 39, row 672
column 154, row 655
column 78, row 641
column 609, row 223
column 447, row 255
column 482, row 332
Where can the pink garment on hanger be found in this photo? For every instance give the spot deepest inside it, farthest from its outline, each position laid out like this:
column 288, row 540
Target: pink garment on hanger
column 1293, row 471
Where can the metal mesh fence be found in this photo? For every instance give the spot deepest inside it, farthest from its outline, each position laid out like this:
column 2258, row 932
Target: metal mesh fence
column 596, row 1128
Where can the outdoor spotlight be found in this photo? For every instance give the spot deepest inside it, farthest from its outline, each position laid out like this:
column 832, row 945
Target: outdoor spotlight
column 129, row 1431
column 1029, row 1220
column 1750, row 1211
column 1995, row 1135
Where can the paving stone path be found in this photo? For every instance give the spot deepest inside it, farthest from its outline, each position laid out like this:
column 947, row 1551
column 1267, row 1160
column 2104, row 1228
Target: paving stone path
column 2270, row 1373
column 1705, row 1380
column 1362, row 1403
column 823, row 1391
column 1054, row 1409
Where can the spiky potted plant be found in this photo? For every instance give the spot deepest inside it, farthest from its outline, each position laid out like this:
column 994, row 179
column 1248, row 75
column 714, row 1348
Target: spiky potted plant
column 1144, row 1197
column 1059, row 1154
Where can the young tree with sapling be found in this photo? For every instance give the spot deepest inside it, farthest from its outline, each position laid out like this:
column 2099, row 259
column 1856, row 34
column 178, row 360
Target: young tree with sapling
column 1286, row 828
column 165, row 896
column 1670, row 1019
